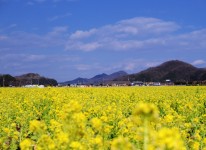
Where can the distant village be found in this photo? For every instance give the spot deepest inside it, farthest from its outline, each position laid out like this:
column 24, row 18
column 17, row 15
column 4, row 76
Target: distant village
column 37, row 83
column 167, row 82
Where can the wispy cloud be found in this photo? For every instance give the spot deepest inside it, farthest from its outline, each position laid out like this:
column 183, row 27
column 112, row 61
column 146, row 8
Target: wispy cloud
column 32, row 2
column 11, row 26
column 24, row 40
column 198, row 62
column 64, row 0
column 129, row 65
column 136, row 65
column 22, row 58
column 35, row 62
column 39, row 1
column 2, row 37
column 3, row 1
column 83, row 67
column 56, row 31
column 57, row 17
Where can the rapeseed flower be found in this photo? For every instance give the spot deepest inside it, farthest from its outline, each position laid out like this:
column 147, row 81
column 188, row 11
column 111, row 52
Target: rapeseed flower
column 121, row 143
column 96, row 117
column 96, row 124
column 146, row 110
column 26, row 144
column 76, row 145
column 37, row 126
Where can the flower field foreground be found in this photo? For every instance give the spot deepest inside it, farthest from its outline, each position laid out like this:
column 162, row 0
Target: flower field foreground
column 121, row 118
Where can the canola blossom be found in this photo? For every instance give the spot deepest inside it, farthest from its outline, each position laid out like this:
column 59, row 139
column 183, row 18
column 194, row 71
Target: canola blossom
column 106, row 118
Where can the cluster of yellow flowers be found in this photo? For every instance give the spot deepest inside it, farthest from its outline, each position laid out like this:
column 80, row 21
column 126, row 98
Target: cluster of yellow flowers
column 116, row 118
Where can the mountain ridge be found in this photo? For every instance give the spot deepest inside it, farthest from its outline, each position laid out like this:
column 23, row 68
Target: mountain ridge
column 174, row 70
column 97, row 79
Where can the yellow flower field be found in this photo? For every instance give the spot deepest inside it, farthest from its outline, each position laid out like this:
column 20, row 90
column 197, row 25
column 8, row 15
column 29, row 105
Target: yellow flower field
column 116, row 118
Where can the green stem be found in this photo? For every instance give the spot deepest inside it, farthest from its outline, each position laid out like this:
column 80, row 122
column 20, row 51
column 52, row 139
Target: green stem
column 146, row 138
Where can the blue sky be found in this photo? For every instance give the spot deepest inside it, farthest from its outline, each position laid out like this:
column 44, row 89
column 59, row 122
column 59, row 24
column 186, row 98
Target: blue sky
column 65, row 39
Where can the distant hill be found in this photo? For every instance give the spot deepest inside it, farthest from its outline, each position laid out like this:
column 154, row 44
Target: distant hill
column 34, row 78
column 116, row 75
column 6, row 80
column 174, row 70
column 76, row 81
column 98, row 79
column 26, row 79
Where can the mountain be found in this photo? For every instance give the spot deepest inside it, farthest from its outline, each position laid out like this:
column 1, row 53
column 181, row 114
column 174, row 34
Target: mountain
column 6, row 80
column 174, row 70
column 98, row 79
column 26, row 79
column 34, row 78
column 116, row 75
column 76, row 81
column 104, row 77
column 28, row 76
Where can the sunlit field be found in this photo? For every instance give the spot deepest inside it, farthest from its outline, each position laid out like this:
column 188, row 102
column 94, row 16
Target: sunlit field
column 116, row 118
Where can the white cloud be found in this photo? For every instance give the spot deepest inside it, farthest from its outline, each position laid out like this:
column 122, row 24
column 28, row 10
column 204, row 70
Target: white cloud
column 137, row 34
column 82, row 34
column 149, row 25
column 123, row 35
column 90, row 46
column 84, row 46
column 198, row 62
